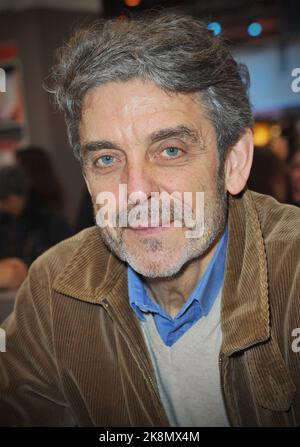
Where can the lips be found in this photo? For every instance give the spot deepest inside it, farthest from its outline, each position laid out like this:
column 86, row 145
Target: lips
column 143, row 227
column 143, row 231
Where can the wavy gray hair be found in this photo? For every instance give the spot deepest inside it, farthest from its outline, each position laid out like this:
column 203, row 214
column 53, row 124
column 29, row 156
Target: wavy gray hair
column 177, row 53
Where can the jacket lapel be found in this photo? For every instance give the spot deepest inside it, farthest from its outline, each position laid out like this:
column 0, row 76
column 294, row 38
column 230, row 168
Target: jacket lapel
column 245, row 312
column 245, row 304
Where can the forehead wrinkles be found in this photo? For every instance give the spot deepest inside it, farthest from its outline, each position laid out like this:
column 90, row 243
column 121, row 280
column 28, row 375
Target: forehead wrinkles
column 134, row 107
column 126, row 95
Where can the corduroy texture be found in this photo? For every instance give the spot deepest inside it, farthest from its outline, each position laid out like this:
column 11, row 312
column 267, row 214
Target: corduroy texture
column 76, row 354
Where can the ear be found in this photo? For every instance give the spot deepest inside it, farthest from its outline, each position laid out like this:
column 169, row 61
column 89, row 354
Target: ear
column 238, row 163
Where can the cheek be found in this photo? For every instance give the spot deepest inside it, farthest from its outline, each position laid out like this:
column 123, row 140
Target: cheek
column 202, row 178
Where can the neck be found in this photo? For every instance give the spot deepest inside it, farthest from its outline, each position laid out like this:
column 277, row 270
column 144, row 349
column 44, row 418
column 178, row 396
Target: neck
column 172, row 293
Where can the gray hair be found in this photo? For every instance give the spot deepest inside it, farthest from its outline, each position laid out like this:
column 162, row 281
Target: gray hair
column 177, row 53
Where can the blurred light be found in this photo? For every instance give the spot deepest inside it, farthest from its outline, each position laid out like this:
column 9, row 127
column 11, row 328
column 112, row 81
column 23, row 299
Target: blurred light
column 215, row 27
column 132, row 3
column 254, row 29
column 262, row 135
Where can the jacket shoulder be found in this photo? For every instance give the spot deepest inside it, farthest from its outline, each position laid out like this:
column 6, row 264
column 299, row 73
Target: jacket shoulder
column 58, row 256
column 280, row 226
column 279, row 222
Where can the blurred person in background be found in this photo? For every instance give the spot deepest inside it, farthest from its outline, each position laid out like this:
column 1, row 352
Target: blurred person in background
column 29, row 222
column 14, row 187
column 294, row 178
column 13, row 271
column 268, row 174
column 37, row 164
column 85, row 215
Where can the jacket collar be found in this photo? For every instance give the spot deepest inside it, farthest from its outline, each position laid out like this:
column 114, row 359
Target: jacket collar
column 95, row 275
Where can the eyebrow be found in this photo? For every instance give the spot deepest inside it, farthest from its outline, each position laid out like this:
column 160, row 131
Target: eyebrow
column 180, row 131
column 91, row 146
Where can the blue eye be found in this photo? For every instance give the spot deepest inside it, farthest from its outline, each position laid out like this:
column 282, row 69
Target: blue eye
column 105, row 160
column 172, row 151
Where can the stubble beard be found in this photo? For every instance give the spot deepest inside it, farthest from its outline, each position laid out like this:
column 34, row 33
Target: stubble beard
column 154, row 258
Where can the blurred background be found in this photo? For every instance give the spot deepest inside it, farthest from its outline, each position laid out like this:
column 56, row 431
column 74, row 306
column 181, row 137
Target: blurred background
column 263, row 34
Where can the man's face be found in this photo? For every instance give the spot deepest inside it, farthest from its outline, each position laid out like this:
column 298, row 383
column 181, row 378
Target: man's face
column 136, row 134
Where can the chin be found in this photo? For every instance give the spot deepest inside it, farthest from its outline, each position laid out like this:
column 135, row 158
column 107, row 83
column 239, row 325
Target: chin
column 160, row 264
column 155, row 269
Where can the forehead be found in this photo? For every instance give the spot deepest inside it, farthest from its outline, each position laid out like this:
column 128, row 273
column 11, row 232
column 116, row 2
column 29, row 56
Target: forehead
column 137, row 108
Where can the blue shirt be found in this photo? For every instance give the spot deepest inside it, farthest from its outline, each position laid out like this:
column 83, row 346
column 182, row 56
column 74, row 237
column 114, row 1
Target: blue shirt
column 198, row 304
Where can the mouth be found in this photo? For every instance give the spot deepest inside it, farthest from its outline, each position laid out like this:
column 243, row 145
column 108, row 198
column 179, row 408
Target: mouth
column 144, row 231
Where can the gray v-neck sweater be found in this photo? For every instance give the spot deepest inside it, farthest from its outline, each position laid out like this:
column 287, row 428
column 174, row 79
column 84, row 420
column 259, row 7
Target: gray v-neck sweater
column 187, row 372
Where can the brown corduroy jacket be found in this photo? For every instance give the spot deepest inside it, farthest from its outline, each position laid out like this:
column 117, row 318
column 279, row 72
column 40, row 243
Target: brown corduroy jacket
column 75, row 353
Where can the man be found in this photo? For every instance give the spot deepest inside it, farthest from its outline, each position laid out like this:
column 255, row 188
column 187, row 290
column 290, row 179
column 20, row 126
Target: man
column 181, row 322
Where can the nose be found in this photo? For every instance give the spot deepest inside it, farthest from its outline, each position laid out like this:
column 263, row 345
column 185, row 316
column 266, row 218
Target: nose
column 140, row 182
